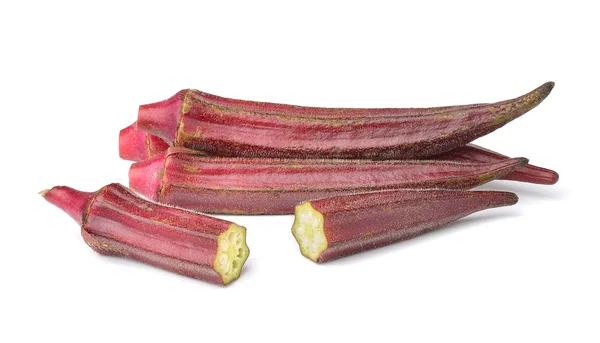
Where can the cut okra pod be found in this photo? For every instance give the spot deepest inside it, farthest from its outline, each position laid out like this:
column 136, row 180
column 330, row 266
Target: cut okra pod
column 115, row 221
column 330, row 228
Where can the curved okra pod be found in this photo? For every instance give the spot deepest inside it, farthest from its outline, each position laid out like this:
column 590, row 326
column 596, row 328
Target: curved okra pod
column 335, row 227
column 186, row 178
column 115, row 221
column 228, row 127
column 475, row 153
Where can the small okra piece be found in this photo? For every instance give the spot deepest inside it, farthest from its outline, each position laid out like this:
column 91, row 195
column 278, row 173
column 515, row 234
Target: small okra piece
column 115, row 221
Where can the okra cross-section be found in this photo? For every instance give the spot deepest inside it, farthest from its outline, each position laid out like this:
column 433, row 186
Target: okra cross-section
column 115, row 221
column 335, row 227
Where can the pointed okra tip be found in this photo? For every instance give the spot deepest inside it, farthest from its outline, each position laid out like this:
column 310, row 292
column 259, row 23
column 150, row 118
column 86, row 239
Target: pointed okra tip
column 308, row 231
column 543, row 91
column 539, row 94
column 232, row 253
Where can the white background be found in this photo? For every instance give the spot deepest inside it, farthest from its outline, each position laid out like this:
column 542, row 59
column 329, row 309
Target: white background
column 72, row 75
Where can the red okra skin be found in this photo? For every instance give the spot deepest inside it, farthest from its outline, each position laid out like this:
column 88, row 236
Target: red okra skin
column 475, row 153
column 115, row 221
column 196, row 120
column 324, row 112
column 137, row 145
column 187, row 179
column 361, row 222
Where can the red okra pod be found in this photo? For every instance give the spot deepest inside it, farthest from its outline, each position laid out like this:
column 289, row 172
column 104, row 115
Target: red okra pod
column 137, row 145
column 187, row 179
column 474, row 153
column 115, row 221
column 228, row 127
column 335, row 227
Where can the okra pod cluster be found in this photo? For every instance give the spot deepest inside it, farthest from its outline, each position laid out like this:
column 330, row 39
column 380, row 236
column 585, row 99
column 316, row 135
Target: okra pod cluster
column 355, row 178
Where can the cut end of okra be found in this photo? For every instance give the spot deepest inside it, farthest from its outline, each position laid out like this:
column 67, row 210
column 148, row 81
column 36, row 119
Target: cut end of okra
column 308, row 231
column 232, row 253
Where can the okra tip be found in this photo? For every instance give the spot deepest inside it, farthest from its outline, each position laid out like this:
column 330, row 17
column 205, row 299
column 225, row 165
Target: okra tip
column 70, row 200
column 539, row 94
column 145, row 177
column 548, row 86
column 496, row 198
column 549, row 177
column 542, row 91
column 534, row 174
column 513, row 199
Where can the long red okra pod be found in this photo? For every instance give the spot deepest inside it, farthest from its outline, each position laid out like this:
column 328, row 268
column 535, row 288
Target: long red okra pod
column 186, row 178
column 115, row 221
column 335, row 227
column 137, row 145
column 224, row 127
column 475, row 153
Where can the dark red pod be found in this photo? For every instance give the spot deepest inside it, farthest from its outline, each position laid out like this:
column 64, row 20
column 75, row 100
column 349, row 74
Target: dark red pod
column 115, row 221
column 188, row 179
column 228, row 127
column 475, row 153
column 335, row 227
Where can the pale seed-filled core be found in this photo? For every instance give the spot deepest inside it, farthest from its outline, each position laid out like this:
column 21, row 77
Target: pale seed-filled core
column 308, row 231
column 232, row 252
